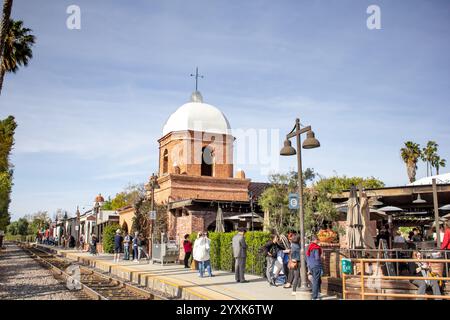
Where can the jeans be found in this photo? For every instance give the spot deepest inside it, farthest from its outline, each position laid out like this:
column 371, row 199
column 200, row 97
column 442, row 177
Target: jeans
column 126, row 253
column 316, row 282
column 269, row 270
column 294, row 273
column 202, row 265
column 135, row 253
column 142, row 251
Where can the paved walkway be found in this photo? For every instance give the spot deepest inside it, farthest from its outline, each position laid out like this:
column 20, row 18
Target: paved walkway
column 186, row 281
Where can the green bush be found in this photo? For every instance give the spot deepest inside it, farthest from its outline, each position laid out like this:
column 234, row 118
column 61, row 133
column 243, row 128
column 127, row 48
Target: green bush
column 226, row 251
column 222, row 251
column 255, row 263
column 215, row 238
column 108, row 237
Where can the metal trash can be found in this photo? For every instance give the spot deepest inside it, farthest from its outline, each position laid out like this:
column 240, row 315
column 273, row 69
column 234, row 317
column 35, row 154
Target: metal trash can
column 165, row 252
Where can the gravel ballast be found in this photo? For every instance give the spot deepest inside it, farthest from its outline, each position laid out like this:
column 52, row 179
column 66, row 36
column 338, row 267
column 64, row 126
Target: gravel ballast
column 22, row 278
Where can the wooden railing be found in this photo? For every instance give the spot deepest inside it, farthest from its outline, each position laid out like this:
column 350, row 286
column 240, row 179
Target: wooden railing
column 363, row 294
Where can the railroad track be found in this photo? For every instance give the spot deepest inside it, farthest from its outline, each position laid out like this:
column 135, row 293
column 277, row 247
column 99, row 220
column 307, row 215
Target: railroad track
column 93, row 284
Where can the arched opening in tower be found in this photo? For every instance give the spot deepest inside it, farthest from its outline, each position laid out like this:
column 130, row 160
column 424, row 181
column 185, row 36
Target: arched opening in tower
column 207, row 162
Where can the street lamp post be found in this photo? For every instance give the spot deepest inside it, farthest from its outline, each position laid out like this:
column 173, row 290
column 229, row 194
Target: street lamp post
column 250, row 195
column 309, row 143
column 153, row 184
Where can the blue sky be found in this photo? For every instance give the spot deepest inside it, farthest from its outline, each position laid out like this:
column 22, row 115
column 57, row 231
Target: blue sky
column 92, row 103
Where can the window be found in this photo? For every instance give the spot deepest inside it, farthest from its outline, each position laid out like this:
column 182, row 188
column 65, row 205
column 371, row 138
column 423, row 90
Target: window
column 207, row 162
column 165, row 161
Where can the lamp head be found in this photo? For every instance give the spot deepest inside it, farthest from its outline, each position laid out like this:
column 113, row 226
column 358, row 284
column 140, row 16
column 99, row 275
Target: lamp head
column 311, row 142
column 287, row 150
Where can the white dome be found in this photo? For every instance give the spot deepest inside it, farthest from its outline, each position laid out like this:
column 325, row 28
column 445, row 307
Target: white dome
column 197, row 116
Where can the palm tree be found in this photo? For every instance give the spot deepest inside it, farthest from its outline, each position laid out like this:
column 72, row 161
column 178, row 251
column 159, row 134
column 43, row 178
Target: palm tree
column 410, row 155
column 438, row 163
column 428, row 153
column 17, row 51
column 7, row 6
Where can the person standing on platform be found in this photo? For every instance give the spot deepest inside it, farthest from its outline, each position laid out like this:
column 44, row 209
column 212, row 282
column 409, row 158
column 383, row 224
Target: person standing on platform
column 117, row 245
column 270, row 251
column 314, row 262
column 142, row 246
column 135, row 247
column 126, row 246
column 201, row 254
column 81, row 243
column 240, row 255
column 187, row 246
column 93, row 245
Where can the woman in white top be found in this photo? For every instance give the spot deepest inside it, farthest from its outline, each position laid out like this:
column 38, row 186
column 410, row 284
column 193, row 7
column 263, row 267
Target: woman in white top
column 201, row 253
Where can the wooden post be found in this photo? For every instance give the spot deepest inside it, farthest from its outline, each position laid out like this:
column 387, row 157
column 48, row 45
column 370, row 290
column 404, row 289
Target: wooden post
column 343, row 286
column 362, row 279
column 436, row 214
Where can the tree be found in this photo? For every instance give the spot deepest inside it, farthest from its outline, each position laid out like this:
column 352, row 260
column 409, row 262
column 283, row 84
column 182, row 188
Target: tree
column 7, row 130
column 336, row 184
column 410, row 155
column 438, row 163
column 428, row 154
column 13, row 228
column 22, row 226
column 128, row 197
column 318, row 205
column 17, row 49
column 38, row 221
column 274, row 200
column 7, row 7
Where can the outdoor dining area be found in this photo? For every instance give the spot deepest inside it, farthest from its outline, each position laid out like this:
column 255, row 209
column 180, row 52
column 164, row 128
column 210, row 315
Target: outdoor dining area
column 386, row 230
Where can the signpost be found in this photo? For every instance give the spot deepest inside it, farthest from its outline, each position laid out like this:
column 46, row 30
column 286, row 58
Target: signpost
column 152, row 215
column 294, row 201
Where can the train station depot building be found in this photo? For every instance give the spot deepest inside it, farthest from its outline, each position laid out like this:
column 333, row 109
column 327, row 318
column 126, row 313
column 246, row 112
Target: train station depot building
column 196, row 174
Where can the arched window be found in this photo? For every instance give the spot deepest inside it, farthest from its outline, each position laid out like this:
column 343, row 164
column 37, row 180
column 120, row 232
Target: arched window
column 165, row 161
column 207, row 162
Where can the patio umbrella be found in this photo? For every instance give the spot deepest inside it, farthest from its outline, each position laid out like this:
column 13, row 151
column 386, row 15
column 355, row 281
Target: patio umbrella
column 368, row 241
column 219, row 220
column 390, row 209
column 354, row 222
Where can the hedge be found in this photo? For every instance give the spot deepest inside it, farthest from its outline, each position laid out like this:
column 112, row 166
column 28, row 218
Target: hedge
column 222, row 252
column 108, row 237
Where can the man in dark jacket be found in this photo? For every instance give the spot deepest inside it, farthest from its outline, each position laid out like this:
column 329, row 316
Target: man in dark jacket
column 313, row 260
column 270, row 250
column 240, row 255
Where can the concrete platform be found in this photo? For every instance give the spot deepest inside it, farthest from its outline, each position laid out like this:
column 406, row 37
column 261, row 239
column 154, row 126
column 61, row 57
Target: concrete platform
column 178, row 282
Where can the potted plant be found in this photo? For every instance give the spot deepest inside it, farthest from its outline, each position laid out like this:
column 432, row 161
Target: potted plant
column 326, row 235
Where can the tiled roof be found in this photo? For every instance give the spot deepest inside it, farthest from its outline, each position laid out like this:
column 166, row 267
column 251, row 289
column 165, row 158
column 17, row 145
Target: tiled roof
column 258, row 188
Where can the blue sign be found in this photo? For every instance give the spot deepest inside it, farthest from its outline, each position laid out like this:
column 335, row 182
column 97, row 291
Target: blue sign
column 152, row 215
column 294, row 201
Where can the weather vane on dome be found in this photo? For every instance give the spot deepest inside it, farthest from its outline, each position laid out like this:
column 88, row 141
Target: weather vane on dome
column 196, row 75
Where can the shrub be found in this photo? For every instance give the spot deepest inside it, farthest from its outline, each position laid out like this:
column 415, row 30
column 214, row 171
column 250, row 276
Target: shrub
column 108, row 237
column 215, row 238
column 255, row 263
column 222, row 250
column 226, row 251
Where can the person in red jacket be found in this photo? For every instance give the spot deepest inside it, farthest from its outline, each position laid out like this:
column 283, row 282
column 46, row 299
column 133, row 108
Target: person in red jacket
column 445, row 245
column 187, row 245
